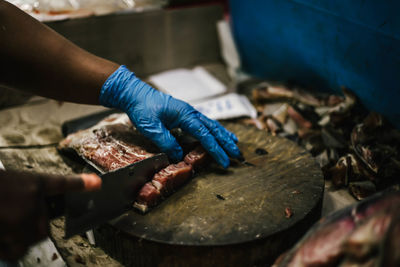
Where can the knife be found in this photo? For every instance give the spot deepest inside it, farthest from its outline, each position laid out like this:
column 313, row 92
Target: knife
column 85, row 210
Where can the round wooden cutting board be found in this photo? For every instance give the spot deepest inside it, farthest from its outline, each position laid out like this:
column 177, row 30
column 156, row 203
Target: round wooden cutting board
column 245, row 215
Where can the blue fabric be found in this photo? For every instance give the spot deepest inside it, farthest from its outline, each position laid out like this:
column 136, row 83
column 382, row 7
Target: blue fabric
column 324, row 45
column 153, row 113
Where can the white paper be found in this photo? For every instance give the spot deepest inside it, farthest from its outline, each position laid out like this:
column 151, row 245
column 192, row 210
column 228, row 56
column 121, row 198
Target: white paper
column 228, row 48
column 226, row 107
column 44, row 251
column 1, row 166
column 188, row 85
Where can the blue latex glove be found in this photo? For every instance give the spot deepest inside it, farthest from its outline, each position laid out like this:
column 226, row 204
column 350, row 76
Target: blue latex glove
column 153, row 113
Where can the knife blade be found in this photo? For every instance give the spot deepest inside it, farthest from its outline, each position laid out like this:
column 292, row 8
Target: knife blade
column 85, row 210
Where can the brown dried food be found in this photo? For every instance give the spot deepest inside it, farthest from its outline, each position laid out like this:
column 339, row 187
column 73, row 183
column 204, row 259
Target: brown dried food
column 350, row 144
column 288, row 212
column 362, row 189
column 354, row 235
column 298, row 118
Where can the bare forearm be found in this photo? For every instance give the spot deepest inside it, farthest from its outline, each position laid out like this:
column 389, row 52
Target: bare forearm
column 37, row 59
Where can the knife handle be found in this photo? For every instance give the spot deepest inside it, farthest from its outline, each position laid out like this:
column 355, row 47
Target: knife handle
column 55, row 206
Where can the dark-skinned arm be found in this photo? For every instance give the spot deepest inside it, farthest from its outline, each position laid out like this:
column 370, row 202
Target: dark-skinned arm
column 36, row 59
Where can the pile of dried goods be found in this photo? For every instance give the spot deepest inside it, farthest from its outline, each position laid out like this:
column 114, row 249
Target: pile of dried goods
column 355, row 148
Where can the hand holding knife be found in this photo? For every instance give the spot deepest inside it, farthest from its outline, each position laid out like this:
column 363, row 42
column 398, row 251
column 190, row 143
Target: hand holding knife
column 28, row 201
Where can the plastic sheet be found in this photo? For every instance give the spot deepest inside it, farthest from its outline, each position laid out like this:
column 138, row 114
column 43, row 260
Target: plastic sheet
column 39, row 8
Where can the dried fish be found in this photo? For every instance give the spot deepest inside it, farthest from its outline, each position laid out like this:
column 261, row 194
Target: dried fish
column 348, row 103
column 270, row 108
column 290, row 127
column 298, row 118
column 273, row 126
column 339, row 173
column 281, row 114
column 362, row 189
column 333, row 138
column 350, row 144
column 352, row 236
column 268, row 93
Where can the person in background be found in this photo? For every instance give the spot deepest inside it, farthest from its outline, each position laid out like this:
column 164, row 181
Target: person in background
column 36, row 59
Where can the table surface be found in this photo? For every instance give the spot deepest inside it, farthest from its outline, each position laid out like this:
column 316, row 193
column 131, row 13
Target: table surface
column 252, row 197
column 28, row 135
column 27, row 142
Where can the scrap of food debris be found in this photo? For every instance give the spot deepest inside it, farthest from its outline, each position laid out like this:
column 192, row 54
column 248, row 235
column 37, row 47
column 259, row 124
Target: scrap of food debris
column 261, row 151
column 288, row 212
column 220, row 197
column 296, row 192
column 54, row 257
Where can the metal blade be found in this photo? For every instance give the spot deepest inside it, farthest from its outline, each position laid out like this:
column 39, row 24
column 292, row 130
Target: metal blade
column 85, row 210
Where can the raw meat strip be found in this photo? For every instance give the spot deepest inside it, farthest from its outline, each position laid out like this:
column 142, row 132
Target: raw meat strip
column 171, row 178
column 148, row 197
column 196, row 157
column 111, row 144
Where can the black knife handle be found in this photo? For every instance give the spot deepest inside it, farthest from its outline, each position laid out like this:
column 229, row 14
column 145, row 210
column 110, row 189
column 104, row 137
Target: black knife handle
column 55, row 206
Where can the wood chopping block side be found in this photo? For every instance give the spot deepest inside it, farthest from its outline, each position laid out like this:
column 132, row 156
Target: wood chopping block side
column 242, row 216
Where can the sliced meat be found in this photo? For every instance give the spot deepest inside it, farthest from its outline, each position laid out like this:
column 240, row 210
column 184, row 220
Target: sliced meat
column 148, row 197
column 114, row 143
column 196, row 157
column 172, row 177
column 111, row 144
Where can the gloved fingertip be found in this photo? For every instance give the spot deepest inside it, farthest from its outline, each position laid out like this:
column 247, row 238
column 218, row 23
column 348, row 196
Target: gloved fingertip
column 234, row 137
column 223, row 160
column 232, row 150
column 225, row 163
column 240, row 157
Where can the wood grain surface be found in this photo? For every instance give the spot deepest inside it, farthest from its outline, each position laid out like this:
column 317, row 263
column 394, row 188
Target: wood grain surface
column 242, row 203
column 233, row 217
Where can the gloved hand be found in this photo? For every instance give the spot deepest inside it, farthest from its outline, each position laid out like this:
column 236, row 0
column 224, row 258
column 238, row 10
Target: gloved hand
column 154, row 113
